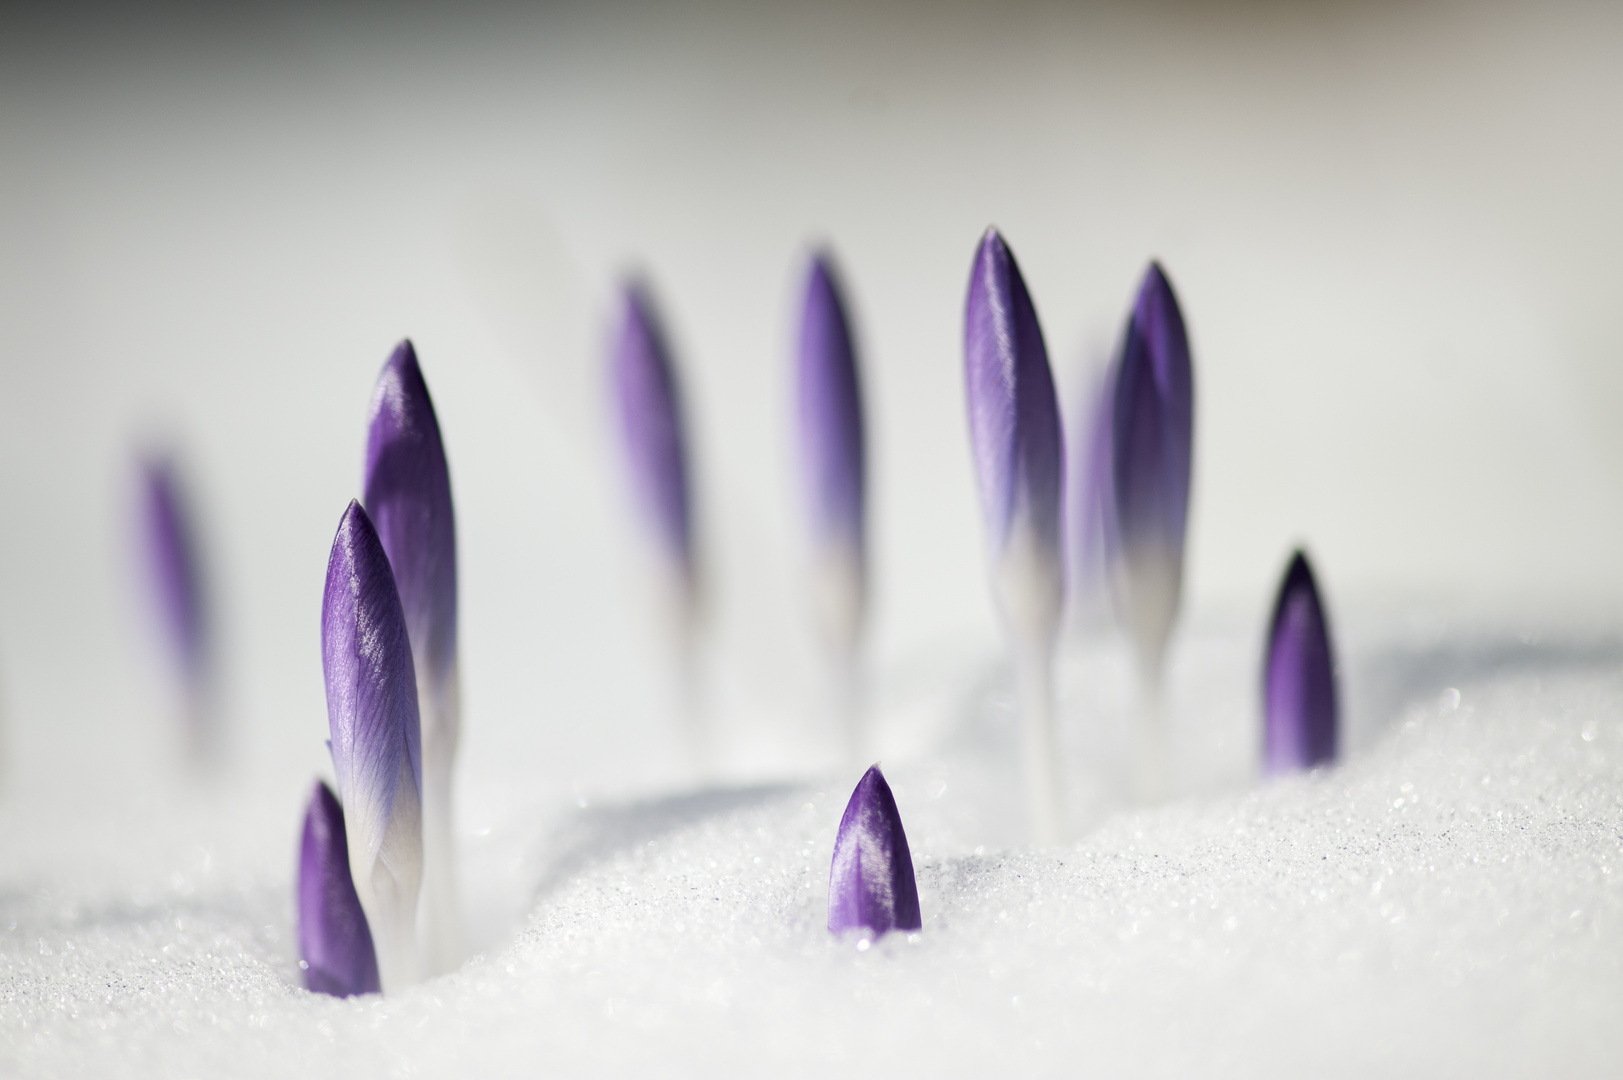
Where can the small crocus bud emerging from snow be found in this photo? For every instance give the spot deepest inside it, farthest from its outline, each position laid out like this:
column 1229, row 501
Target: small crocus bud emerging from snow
column 335, row 944
column 650, row 408
column 172, row 559
column 832, row 455
column 1299, row 679
column 408, row 497
column 376, row 747
column 1014, row 428
column 871, row 884
column 1152, row 428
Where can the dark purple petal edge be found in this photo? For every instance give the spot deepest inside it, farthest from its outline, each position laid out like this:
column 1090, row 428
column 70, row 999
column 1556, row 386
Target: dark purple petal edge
column 334, row 940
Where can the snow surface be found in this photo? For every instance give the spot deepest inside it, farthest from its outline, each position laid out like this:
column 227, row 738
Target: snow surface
column 1444, row 903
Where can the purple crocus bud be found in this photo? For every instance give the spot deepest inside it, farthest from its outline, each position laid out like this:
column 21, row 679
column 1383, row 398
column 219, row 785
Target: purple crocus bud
column 335, row 944
column 871, row 884
column 650, row 407
column 1090, row 532
column 1015, row 430
column 1151, row 438
column 832, row 454
column 1299, row 678
column 372, row 715
column 172, row 558
column 408, row 497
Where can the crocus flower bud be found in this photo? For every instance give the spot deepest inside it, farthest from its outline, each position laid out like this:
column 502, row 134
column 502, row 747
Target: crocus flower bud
column 871, row 884
column 408, row 497
column 1299, row 677
column 1152, row 429
column 376, row 741
column 335, row 944
column 832, row 456
column 1089, row 505
column 172, row 560
column 1015, row 431
column 650, row 407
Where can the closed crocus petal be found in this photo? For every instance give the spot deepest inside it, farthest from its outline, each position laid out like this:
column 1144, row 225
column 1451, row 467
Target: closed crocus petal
column 832, row 453
column 1299, row 683
column 871, row 884
column 171, row 555
column 1089, row 503
column 650, row 407
column 1015, row 431
column 1152, row 429
column 408, row 497
column 335, row 944
column 372, row 715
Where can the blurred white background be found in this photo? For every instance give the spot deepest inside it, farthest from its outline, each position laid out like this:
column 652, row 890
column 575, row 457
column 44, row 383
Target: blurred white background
column 1394, row 227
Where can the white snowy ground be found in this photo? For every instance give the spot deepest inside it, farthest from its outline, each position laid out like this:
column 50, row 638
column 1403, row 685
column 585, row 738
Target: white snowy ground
column 1445, row 903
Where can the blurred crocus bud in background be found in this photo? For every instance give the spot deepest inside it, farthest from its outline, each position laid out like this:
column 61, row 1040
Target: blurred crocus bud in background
column 1019, row 454
column 171, row 554
column 834, row 479
column 1299, row 677
column 335, row 944
column 1151, row 440
column 376, row 740
column 653, row 435
column 1089, row 506
column 408, row 497
column 871, row 884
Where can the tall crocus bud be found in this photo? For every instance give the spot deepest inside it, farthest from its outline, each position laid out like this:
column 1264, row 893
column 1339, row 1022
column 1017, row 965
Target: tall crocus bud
column 408, row 497
column 1299, row 678
column 1019, row 458
column 871, row 884
column 1151, row 438
column 833, row 465
column 335, row 944
column 650, row 406
column 1090, row 531
column 173, row 564
column 376, row 741
column 648, row 399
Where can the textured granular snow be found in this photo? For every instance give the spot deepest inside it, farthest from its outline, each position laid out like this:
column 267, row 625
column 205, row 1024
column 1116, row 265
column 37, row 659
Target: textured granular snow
column 1444, row 903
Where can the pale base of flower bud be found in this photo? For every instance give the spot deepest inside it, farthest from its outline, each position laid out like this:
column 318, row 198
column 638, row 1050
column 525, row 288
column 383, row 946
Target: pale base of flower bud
column 388, row 883
column 838, row 589
column 678, row 602
column 1148, row 580
column 1028, row 579
column 440, row 917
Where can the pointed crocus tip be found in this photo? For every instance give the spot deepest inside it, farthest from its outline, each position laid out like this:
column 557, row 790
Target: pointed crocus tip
column 832, row 454
column 650, row 410
column 335, row 942
column 871, row 884
column 1151, row 441
column 1299, row 688
column 172, row 560
column 1014, row 429
column 407, row 492
column 376, row 738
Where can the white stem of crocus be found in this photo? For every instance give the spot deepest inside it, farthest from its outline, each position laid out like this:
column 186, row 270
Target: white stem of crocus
column 1039, row 751
column 388, row 882
column 1151, row 579
column 1150, row 747
column 440, row 919
column 677, row 603
column 838, row 598
column 1030, row 586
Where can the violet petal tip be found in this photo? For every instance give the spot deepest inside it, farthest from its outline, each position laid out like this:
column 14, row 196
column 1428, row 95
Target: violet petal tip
column 1300, row 716
column 871, row 884
column 335, row 943
column 648, row 399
